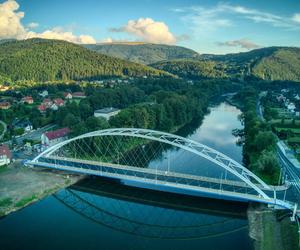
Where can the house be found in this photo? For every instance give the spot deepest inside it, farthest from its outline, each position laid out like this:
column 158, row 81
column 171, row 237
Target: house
column 44, row 93
column 291, row 107
column 5, row 105
column 51, row 138
column 5, row 155
column 47, row 102
column 78, row 95
column 24, row 124
column 54, row 107
column 42, row 108
column 4, row 88
column 106, row 112
column 59, row 102
column 27, row 99
column 281, row 98
column 68, row 95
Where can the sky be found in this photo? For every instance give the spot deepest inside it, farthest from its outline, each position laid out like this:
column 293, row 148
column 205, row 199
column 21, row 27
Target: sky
column 207, row 26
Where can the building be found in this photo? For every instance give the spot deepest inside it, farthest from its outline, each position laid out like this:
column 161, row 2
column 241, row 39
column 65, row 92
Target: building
column 44, row 93
column 54, row 107
column 47, row 102
column 5, row 105
column 291, row 107
column 24, row 124
column 27, row 99
column 42, row 108
column 106, row 112
column 5, row 155
column 51, row 138
column 79, row 95
column 68, row 95
column 59, row 102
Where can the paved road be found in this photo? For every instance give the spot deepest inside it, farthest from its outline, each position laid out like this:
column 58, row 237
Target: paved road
column 4, row 129
column 33, row 135
column 292, row 176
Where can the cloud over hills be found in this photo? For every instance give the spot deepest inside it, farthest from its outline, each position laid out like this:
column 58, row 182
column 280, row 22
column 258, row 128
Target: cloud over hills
column 241, row 43
column 148, row 30
column 12, row 27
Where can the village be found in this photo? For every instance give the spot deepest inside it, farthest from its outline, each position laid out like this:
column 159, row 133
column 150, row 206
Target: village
column 22, row 139
column 281, row 109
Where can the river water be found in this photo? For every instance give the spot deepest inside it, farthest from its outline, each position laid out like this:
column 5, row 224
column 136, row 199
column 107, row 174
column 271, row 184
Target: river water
column 101, row 214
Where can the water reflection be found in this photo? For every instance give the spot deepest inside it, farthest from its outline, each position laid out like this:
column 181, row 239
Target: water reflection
column 152, row 214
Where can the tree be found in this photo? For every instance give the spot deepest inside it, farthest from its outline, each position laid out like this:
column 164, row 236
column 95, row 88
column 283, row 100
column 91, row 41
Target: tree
column 96, row 123
column 70, row 121
column 265, row 140
column 267, row 163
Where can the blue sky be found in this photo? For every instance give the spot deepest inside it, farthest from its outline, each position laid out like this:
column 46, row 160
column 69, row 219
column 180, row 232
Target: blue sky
column 205, row 26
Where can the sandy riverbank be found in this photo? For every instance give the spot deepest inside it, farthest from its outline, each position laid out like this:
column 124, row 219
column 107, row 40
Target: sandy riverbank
column 21, row 186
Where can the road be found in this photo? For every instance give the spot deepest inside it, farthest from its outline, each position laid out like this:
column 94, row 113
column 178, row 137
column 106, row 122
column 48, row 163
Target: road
column 4, row 129
column 33, row 135
column 289, row 171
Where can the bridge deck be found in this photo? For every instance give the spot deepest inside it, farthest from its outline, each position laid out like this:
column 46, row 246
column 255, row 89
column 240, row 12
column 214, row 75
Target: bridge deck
column 199, row 185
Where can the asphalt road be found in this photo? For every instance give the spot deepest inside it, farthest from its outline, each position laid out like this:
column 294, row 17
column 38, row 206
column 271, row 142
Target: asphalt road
column 33, row 135
column 4, row 129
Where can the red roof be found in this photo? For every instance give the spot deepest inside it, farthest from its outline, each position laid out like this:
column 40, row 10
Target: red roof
column 66, row 94
column 59, row 101
column 42, row 107
column 57, row 133
column 4, row 104
column 27, row 98
column 4, row 150
column 79, row 94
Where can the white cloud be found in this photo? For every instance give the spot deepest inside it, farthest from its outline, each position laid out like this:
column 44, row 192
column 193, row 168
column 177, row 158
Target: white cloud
column 148, row 30
column 224, row 15
column 296, row 18
column 107, row 40
column 33, row 25
column 60, row 34
column 241, row 43
column 10, row 20
column 12, row 27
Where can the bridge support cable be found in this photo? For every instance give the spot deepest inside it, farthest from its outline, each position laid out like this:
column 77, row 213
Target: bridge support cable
column 93, row 143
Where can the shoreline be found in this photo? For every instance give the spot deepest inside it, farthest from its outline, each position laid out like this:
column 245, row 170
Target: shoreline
column 21, row 186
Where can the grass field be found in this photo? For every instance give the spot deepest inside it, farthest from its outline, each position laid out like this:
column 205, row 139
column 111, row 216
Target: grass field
column 293, row 130
column 287, row 122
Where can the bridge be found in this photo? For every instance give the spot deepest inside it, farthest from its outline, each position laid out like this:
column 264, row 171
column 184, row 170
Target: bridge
column 125, row 154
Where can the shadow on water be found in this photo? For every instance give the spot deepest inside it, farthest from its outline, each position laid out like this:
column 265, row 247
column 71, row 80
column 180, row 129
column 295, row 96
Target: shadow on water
column 153, row 214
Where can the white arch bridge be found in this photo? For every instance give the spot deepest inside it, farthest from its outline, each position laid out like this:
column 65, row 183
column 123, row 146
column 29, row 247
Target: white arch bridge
column 92, row 153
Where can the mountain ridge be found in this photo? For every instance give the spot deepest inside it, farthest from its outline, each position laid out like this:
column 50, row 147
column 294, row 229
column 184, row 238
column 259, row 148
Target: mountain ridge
column 49, row 60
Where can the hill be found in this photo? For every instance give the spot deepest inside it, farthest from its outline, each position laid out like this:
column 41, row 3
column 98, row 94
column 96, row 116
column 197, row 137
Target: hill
column 273, row 63
column 50, row 60
column 193, row 69
column 143, row 53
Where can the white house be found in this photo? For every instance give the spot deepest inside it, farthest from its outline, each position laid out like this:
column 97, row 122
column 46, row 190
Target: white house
column 291, row 107
column 44, row 93
column 51, row 138
column 5, row 155
column 106, row 112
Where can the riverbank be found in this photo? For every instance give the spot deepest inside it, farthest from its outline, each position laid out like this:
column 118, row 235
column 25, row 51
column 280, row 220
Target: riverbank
column 270, row 230
column 21, row 186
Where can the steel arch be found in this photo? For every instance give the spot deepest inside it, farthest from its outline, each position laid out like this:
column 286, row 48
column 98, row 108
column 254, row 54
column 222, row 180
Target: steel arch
column 189, row 145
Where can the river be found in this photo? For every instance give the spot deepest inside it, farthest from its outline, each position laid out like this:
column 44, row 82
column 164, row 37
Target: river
column 101, row 214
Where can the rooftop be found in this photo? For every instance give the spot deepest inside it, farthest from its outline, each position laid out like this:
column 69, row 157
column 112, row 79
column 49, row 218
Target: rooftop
column 106, row 110
column 4, row 150
column 57, row 133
